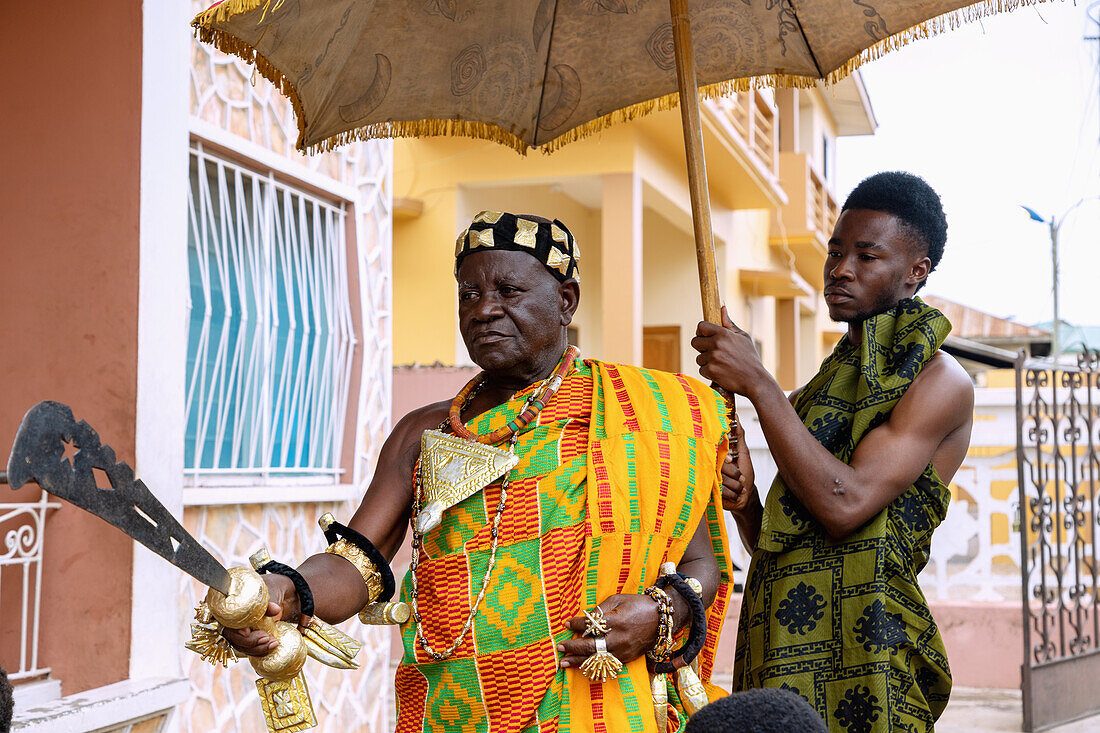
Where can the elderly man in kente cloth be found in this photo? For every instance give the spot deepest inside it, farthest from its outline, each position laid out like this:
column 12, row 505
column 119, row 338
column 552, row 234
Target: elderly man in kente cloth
column 865, row 451
column 529, row 592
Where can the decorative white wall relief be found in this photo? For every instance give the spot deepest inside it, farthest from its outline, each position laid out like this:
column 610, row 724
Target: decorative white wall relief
column 228, row 100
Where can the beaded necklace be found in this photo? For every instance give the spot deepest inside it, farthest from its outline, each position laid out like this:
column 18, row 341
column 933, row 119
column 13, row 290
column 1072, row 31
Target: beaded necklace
column 530, row 411
column 539, row 397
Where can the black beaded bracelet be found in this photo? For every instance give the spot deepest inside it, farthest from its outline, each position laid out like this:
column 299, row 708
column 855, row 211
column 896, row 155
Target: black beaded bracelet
column 305, row 595
column 336, row 531
column 698, row 634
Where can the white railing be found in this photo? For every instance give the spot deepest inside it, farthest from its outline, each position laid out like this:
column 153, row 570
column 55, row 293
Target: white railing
column 23, row 525
column 975, row 552
column 271, row 338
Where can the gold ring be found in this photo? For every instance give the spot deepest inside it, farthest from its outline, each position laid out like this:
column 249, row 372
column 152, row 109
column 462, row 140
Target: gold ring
column 603, row 665
column 595, row 623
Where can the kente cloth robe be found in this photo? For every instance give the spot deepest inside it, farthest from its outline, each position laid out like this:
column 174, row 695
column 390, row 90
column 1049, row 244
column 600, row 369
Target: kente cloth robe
column 614, row 477
column 845, row 624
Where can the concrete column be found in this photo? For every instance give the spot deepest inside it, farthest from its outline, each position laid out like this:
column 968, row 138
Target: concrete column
column 157, row 612
column 425, row 321
column 621, row 268
column 787, row 342
column 787, row 102
column 810, row 341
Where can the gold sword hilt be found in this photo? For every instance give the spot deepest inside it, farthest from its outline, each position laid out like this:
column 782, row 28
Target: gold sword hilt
column 246, row 607
column 284, row 695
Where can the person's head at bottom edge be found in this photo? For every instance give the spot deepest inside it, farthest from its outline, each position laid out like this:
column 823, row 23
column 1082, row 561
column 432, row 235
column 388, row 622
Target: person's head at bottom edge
column 767, row 710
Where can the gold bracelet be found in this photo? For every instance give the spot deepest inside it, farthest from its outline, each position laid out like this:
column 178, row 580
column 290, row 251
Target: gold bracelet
column 665, row 624
column 695, row 585
column 362, row 563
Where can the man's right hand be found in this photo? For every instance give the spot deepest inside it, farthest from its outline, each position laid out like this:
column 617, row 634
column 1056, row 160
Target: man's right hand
column 282, row 606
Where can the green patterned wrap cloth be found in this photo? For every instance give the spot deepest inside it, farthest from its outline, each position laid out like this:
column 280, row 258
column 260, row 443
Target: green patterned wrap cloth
column 845, row 624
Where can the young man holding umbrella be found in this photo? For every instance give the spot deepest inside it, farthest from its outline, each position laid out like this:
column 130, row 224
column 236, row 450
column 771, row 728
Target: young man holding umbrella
column 865, row 451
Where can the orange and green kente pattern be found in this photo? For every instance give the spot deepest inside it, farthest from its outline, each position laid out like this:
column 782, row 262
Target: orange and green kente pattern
column 614, row 477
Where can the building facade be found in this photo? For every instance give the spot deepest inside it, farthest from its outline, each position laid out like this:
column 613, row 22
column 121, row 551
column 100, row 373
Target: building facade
column 623, row 193
column 217, row 307
column 228, row 314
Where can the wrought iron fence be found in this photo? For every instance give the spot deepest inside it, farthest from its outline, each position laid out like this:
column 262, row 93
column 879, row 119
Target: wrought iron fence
column 22, row 525
column 1058, row 461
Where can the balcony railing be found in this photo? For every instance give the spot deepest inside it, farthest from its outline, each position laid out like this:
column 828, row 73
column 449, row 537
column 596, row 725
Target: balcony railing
column 752, row 116
column 22, row 525
column 824, row 209
column 806, row 222
column 812, row 209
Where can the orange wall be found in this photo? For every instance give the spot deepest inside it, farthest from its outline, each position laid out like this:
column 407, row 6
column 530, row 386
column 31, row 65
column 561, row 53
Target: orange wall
column 69, row 198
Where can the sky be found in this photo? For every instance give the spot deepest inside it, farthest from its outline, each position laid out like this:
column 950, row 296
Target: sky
column 994, row 115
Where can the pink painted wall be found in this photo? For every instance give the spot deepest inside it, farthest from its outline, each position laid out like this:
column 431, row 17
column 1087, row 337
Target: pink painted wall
column 984, row 642
column 69, row 201
column 415, row 386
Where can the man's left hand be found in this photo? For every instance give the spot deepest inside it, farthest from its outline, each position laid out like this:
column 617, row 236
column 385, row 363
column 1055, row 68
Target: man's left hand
column 633, row 631
column 738, row 477
column 727, row 356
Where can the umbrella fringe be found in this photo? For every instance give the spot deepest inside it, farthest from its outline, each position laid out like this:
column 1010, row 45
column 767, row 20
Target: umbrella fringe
column 226, row 9
column 930, row 28
column 228, row 43
column 671, row 101
column 421, row 128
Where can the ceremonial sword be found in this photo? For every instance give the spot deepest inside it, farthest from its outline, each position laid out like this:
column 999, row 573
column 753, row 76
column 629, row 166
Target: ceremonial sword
column 238, row 597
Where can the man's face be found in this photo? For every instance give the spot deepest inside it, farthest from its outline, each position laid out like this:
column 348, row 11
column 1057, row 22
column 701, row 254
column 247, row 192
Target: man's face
column 512, row 313
column 873, row 262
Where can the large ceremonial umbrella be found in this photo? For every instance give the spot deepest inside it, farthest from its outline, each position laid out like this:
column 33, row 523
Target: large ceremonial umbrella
column 543, row 73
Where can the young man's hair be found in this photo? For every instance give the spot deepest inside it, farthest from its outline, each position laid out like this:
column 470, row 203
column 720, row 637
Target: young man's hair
column 911, row 200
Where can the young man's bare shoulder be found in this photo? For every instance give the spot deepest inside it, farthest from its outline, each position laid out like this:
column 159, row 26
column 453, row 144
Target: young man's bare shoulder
column 944, row 379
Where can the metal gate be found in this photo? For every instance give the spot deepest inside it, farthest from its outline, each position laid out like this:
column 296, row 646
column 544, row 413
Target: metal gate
column 1058, row 460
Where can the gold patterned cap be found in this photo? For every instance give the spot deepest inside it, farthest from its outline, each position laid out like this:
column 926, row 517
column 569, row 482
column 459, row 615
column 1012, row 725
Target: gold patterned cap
column 550, row 242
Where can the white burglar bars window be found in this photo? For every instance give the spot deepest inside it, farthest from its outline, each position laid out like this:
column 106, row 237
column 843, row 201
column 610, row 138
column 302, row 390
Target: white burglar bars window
column 270, row 339
column 21, row 577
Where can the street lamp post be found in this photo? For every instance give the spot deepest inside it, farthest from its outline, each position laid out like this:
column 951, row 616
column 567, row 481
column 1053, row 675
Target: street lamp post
column 1055, row 224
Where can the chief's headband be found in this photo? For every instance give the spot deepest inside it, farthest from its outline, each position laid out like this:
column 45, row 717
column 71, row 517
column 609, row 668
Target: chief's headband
column 551, row 243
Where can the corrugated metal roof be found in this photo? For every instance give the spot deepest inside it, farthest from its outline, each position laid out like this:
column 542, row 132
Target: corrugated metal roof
column 971, row 323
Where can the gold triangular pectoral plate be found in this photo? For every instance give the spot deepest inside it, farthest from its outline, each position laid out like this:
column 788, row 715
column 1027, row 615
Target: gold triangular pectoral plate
column 453, row 469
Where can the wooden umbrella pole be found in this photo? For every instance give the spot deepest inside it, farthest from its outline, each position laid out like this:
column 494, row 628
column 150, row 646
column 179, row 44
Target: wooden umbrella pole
column 696, row 164
column 697, row 180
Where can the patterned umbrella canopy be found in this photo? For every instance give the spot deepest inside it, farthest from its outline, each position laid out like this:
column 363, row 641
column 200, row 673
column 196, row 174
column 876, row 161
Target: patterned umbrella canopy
column 542, row 73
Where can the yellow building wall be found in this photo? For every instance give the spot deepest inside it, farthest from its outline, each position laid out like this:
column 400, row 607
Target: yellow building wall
column 424, row 293
column 453, row 179
column 668, row 263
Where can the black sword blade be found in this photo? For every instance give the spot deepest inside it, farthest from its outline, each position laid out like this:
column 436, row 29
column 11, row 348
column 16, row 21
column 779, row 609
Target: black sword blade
column 39, row 455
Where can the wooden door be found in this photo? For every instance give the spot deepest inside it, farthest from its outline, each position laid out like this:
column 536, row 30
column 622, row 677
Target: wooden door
column 661, row 348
